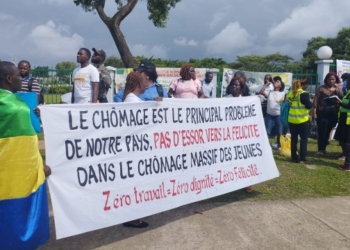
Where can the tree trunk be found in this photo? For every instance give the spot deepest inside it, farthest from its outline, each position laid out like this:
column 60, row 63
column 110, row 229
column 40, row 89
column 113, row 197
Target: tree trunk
column 123, row 48
column 113, row 24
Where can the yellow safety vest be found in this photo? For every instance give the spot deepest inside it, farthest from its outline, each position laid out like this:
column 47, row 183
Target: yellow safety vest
column 297, row 112
column 345, row 100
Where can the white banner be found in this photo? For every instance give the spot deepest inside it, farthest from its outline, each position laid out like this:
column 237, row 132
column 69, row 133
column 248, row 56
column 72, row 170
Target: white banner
column 254, row 79
column 342, row 67
column 116, row 162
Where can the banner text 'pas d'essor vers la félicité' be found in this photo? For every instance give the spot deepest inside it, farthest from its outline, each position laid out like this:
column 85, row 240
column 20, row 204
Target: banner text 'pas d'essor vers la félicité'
column 113, row 163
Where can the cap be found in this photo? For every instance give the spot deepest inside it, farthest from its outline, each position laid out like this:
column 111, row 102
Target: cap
column 144, row 64
column 101, row 52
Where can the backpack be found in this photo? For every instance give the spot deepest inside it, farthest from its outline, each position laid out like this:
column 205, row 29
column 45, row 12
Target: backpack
column 159, row 90
column 41, row 96
column 285, row 106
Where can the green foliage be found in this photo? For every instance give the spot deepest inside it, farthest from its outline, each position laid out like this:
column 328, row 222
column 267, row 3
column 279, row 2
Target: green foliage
column 64, row 70
column 40, row 71
column 269, row 63
column 59, row 89
column 209, row 63
column 158, row 9
column 320, row 178
column 340, row 45
column 218, row 63
column 114, row 62
column 52, row 98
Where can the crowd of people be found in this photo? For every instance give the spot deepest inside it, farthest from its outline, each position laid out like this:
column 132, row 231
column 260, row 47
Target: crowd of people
column 331, row 106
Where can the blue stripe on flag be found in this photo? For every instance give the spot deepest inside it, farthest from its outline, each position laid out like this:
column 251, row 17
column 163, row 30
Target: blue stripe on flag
column 24, row 222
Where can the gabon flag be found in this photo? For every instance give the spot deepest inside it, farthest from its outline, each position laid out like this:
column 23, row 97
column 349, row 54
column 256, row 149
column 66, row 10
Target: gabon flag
column 24, row 217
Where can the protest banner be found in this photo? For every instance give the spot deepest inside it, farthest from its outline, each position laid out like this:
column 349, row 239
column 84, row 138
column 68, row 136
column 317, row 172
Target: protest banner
column 343, row 66
column 116, row 162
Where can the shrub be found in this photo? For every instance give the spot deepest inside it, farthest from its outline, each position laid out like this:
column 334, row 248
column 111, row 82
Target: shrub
column 57, row 89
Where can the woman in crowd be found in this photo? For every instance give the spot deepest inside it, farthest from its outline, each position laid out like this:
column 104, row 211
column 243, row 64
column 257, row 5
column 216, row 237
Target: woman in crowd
column 134, row 87
column 268, row 84
column 235, row 90
column 326, row 110
column 154, row 91
column 298, row 118
column 187, row 86
column 343, row 130
column 240, row 76
column 274, row 99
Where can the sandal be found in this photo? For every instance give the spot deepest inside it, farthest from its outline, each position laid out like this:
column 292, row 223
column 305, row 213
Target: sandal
column 140, row 224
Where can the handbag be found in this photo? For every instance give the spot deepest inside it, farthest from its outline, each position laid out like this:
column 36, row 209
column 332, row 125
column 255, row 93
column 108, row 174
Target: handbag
column 331, row 110
column 285, row 146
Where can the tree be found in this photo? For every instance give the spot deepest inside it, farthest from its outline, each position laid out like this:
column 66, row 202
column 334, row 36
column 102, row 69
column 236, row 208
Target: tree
column 158, row 9
column 339, row 44
column 209, row 63
column 40, row 72
column 64, row 70
column 269, row 63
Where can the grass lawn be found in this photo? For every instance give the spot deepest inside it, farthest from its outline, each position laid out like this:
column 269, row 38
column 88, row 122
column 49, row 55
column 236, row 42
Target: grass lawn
column 52, row 98
column 320, row 178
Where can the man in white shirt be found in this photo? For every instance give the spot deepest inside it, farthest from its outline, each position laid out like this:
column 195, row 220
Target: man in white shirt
column 208, row 86
column 86, row 79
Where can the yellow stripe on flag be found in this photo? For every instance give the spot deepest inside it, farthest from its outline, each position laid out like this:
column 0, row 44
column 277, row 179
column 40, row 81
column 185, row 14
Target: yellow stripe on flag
column 21, row 170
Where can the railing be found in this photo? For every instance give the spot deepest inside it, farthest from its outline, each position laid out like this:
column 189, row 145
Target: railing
column 55, row 83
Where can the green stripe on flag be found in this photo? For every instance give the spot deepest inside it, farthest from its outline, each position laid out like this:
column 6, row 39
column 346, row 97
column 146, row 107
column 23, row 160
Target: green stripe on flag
column 14, row 116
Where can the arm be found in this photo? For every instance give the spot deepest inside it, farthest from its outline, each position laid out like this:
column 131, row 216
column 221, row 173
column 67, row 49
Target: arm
column 172, row 88
column 305, row 100
column 339, row 92
column 94, row 92
column 73, row 94
column 201, row 94
column 315, row 103
column 171, row 93
column 262, row 90
column 95, row 81
column 106, row 77
column 47, row 170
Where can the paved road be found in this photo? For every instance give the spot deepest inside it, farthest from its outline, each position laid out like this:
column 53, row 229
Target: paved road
column 296, row 224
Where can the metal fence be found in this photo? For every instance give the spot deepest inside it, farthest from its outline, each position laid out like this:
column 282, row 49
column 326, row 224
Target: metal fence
column 55, row 83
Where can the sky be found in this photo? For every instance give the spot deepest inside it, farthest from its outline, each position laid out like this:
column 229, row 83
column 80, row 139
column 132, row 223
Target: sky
column 46, row 32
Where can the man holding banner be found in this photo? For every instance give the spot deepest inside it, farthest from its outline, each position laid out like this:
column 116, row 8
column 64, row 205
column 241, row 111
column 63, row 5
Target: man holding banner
column 23, row 199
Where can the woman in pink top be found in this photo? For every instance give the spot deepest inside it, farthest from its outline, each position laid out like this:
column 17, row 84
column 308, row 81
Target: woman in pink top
column 187, row 86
